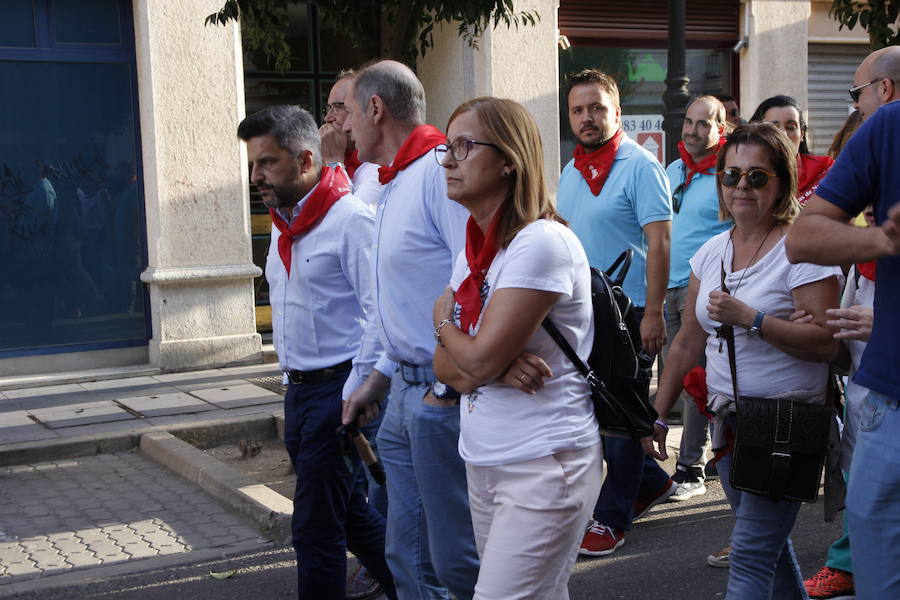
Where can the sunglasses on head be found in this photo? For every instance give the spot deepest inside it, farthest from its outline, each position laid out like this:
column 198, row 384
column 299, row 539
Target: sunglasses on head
column 757, row 178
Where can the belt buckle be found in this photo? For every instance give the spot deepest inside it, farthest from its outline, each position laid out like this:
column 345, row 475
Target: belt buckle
column 295, row 377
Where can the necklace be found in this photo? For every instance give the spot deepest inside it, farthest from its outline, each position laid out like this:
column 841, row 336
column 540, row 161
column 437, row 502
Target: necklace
column 752, row 258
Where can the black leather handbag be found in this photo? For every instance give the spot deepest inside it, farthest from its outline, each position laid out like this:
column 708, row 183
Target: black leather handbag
column 780, row 443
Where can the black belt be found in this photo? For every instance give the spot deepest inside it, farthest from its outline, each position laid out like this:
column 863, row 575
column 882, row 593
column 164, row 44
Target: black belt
column 319, row 375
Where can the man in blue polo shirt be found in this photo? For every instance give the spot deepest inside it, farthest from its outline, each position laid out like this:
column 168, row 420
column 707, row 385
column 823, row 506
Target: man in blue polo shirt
column 615, row 196
column 695, row 205
column 867, row 172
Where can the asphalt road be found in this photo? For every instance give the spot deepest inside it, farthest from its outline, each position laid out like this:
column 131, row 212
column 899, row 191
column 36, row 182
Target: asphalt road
column 663, row 557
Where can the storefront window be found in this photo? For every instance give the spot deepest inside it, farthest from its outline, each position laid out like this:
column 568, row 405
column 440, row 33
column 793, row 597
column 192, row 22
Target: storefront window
column 17, row 24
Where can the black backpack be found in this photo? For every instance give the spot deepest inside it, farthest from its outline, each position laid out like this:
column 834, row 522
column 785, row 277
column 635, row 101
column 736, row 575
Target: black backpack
column 618, row 370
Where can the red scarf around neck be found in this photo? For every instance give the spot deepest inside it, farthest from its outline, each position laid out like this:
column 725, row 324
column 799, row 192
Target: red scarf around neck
column 810, row 171
column 702, row 166
column 596, row 165
column 867, row 269
column 351, row 161
column 333, row 185
column 480, row 253
column 422, row 139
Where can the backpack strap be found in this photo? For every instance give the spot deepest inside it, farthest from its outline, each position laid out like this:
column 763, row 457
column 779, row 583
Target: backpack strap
column 624, row 260
column 567, row 349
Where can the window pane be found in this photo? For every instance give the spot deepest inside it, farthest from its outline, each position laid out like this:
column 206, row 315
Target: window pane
column 70, row 207
column 17, row 24
column 337, row 52
column 86, row 21
column 263, row 92
column 299, row 40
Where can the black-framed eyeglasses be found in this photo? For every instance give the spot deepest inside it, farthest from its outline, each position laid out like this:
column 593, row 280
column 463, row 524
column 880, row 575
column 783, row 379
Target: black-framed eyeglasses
column 334, row 106
column 856, row 90
column 677, row 196
column 459, row 149
column 757, row 178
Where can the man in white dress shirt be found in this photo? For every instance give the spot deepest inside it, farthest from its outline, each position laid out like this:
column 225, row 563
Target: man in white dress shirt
column 418, row 234
column 318, row 273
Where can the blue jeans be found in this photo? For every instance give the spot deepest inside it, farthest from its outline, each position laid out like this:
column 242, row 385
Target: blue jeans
column 873, row 500
column 430, row 545
column 330, row 509
column 763, row 563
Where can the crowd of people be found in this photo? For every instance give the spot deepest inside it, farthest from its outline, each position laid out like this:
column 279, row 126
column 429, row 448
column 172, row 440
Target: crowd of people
column 411, row 270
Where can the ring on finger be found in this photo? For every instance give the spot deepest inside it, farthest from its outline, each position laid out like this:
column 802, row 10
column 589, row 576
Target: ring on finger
column 522, row 377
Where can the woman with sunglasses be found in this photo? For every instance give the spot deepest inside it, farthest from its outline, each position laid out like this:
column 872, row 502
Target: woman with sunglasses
column 774, row 355
column 527, row 429
column 785, row 113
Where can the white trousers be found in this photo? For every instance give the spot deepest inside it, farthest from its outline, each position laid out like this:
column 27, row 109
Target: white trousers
column 529, row 518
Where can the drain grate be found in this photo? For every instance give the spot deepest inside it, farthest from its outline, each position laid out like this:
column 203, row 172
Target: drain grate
column 271, row 383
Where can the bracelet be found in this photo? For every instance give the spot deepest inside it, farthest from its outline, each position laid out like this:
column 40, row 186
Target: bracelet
column 662, row 424
column 437, row 330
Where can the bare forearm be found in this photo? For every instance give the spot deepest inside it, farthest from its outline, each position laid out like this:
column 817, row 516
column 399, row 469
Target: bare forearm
column 824, row 241
column 806, row 341
column 657, row 274
column 447, row 371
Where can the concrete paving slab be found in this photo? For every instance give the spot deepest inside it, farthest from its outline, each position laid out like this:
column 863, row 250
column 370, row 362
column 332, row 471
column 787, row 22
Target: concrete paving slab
column 245, row 394
column 130, row 382
column 87, row 413
column 166, row 404
column 49, row 390
column 15, row 418
column 26, row 433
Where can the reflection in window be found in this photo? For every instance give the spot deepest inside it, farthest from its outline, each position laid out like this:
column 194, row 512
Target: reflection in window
column 69, row 207
column 17, row 24
column 86, row 21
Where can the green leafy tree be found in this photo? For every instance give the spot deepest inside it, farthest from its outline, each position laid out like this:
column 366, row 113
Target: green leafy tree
column 880, row 19
column 403, row 27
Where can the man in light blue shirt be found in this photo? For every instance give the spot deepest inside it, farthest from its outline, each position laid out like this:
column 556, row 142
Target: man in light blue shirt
column 615, row 196
column 696, row 219
column 418, row 234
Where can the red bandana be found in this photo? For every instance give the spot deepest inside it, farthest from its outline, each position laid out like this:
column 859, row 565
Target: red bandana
column 422, row 139
column 351, row 161
column 596, row 165
column 867, row 269
column 810, row 171
column 480, row 253
column 703, row 166
column 331, row 187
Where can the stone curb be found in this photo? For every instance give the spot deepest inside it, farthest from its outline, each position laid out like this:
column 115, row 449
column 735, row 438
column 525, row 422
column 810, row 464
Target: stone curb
column 94, row 574
column 268, row 509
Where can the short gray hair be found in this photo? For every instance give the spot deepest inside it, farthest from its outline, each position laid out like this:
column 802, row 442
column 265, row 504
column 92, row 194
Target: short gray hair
column 397, row 86
column 293, row 128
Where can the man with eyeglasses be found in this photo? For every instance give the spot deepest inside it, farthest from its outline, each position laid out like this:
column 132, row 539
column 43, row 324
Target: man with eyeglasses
column 418, row 234
column 615, row 195
column 868, row 171
column 337, row 146
column 696, row 219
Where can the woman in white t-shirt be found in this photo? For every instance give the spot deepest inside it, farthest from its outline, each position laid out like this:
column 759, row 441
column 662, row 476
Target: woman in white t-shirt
column 774, row 355
column 528, row 433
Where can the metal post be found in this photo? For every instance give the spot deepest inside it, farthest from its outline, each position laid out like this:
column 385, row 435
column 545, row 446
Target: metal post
column 676, row 96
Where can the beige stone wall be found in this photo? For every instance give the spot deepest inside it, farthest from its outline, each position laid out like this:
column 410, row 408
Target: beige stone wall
column 190, row 84
column 521, row 64
column 822, row 28
column 776, row 57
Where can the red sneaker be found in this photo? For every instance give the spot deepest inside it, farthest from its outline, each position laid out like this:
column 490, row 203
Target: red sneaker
column 831, row 584
column 600, row 540
column 643, row 505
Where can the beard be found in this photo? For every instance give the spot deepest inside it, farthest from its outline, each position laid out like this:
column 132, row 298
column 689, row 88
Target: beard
column 285, row 195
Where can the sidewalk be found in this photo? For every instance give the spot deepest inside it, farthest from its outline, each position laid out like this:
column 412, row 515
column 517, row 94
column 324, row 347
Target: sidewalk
column 96, row 514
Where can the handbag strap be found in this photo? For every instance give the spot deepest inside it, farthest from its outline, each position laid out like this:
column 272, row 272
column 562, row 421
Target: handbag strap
column 567, row 349
column 727, row 332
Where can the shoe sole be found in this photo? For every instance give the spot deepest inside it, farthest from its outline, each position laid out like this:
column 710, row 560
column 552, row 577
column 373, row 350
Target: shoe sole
column 662, row 498
column 583, row 552
column 685, row 496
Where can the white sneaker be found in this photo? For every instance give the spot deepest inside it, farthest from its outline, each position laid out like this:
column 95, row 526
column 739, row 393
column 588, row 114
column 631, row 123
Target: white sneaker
column 688, row 489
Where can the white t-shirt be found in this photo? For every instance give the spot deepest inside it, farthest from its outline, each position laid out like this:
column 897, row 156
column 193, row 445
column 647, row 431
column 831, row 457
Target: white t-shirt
column 502, row 425
column 763, row 370
column 858, row 290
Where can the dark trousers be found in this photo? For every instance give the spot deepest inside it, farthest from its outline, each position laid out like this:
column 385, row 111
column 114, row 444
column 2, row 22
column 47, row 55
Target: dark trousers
column 331, row 513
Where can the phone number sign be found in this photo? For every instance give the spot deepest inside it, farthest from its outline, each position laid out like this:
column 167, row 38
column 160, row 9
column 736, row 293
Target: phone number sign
column 647, row 131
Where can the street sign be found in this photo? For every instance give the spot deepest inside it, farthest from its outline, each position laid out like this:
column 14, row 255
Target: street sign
column 647, row 131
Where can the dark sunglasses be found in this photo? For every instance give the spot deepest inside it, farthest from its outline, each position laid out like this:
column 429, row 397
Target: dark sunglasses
column 677, row 195
column 757, row 178
column 856, row 91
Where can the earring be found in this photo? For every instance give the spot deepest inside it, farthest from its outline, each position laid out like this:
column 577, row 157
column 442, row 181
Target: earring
column 505, row 173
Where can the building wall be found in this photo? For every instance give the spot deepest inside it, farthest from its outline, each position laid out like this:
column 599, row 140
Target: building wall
column 190, row 85
column 822, row 28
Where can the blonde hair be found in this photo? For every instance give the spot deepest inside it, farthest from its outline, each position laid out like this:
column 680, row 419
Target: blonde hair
column 513, row 130
column 783, row 157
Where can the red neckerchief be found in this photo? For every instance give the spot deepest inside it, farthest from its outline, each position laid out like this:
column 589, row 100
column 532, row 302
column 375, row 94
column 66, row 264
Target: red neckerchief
column 867, row 269
column 422, row 139
column 702, row 166
column 351, row 161
column 596, row 165
column 331, row 187
column 480, row 253
column 810, row 171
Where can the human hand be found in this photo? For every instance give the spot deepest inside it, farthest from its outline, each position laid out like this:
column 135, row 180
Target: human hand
column 855, row 323
column 800, row 316
column 653, row 332
column 526, row 373
column 443, row 307
column 334, row 144
column 891, row 230
column 364, row 403
column 659, row 436
column 728, row 310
